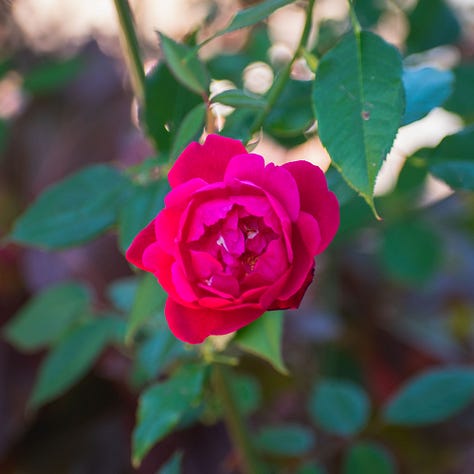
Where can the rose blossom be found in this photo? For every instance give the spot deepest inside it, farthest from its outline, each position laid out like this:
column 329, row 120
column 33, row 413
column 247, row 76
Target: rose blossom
column 236, row 237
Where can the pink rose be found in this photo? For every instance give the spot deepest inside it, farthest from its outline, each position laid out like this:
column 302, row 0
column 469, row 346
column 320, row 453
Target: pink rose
column 236, row 237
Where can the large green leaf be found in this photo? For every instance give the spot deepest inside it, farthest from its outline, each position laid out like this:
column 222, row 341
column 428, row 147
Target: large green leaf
column 368, row 458
column 263, row 338
column 239, row 98
column 431, row 397
column 425, row 89
column 185, row 65
column 162, row 407
column 47, row 316
column 173, row 466
column 285, row 440
column 141, row 207
column 358, row 99
column 452, row 160
column 149, row 299
column 339, row 407
column 67, row 362
column 74, row 210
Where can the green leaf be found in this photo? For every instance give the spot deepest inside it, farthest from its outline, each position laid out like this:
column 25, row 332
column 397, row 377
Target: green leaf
column 311, row 468
column 122, row 293
column 47, row 316
column 191, row 129
column 452, row 160
column 358, row 99
column 411, row 251
column 425, row 89
column 339, row 187
column 67, row 362
column 263, row 338
column 149, row 299
column 339, row 407
column 185, row 65
column 292, row 114
column 74, row 210
column 431, row 397
column 285, row 440
column 162, row 407
column 368, row 458
column 432, row 23
column 238, row 98
column 461, row 100
column 173, row 466
column 167, row 102
column 252, row 15
column 52, row 75
column 158, row 352
column 141, row 207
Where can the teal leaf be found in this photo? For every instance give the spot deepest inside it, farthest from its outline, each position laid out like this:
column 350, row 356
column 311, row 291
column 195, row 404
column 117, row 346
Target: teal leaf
column 368, row 458
column 149, row 299
column 425, row 89
column 461, row 100
column 173, row 466
column 358, row 99
column 122, row 293
column 141, row 207
column 190, row 129
column 73, row 211
column 431, row 397
column 72, row 357
column 47, row 316
column 239, row 98
column 452, row 161
column 185, row 65
column 411, row 251
column 163, row 406
column 289, row 440
column 339, row 407
column 246, row 392
column 263, row 339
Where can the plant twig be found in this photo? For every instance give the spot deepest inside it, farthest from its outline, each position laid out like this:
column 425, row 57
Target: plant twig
column 234, row 422
column 284, row 74
column 129, row 41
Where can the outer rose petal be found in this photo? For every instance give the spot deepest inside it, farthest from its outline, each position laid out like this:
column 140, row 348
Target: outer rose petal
column 316, row 198
column 193, row 325
column 143, row 239
column 207, row 161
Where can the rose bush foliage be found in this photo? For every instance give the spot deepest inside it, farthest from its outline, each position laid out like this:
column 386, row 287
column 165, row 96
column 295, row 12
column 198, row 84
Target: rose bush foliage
column 236, row 237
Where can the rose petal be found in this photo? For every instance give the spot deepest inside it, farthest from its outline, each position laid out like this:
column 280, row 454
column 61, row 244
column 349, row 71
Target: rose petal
column 180, row 195
column 316, row 198
column 193, row 325
column 309, row 231
column 167, row 224
column 142, row 240
column 207, row 161
column 273, row 179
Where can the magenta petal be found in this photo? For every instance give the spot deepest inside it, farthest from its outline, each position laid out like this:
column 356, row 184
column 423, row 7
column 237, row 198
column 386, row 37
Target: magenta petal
column 309, row 231
column 142, row 240
column 273, row 179
column 180, row 195
column 193, row 325
column 316, row 198
column 207, row 161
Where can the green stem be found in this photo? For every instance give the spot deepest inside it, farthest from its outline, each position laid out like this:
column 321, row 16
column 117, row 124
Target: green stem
column 235, row 425
column 131, row 48
column 284, row 74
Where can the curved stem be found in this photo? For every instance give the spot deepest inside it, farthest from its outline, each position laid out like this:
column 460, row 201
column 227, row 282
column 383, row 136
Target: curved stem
column 235, row 425
column 129, row 41
column 284, row 74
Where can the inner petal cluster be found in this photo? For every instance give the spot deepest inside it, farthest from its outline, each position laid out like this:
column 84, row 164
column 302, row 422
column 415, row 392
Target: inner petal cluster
column 230, row 250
